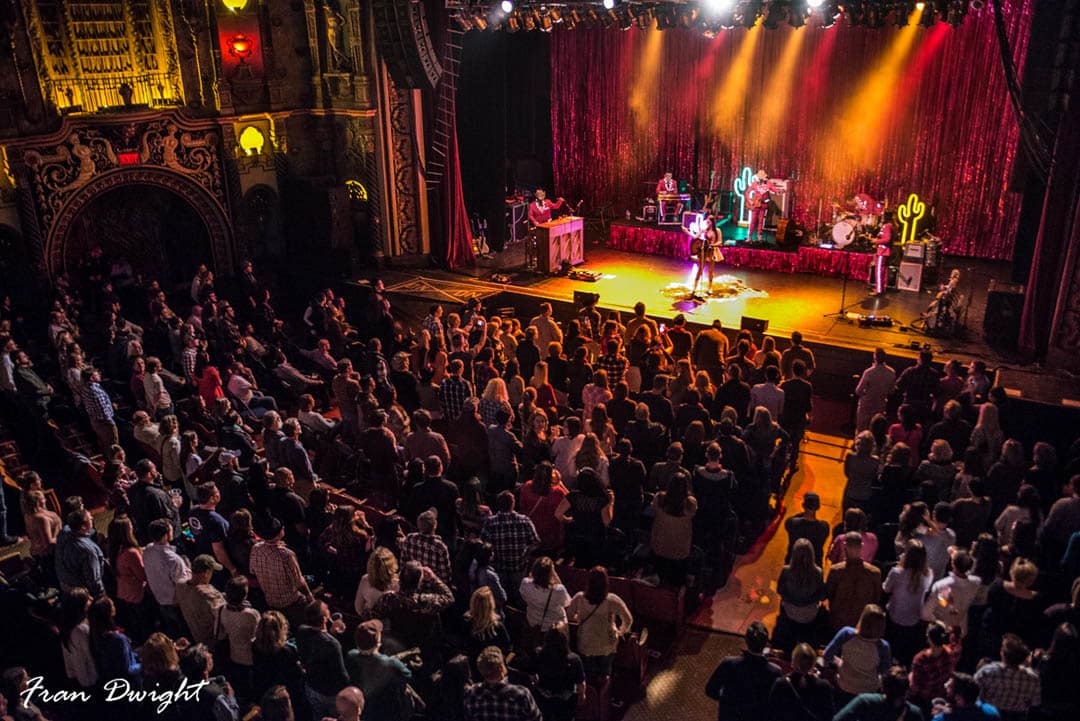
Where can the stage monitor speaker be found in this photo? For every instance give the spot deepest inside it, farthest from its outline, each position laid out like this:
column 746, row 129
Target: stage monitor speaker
column 583, row 298
column 909, row 276
column 759, row 326
column 1004, row 305
column 402, row 36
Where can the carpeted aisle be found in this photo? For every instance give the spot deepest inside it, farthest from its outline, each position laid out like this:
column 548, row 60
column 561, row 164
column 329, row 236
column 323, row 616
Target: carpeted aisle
column 750, row 593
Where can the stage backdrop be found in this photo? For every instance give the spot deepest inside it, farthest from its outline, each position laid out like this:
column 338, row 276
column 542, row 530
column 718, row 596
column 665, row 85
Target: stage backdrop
column 841, row 110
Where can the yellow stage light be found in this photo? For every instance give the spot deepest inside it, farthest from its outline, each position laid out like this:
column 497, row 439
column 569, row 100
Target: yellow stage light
column 252, row 141
column 729, row 100
column 780, row 89
column 644, row 91
column 234, row 5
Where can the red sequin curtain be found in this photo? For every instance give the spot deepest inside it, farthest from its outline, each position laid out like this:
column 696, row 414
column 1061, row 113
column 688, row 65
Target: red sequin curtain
column 937, row 123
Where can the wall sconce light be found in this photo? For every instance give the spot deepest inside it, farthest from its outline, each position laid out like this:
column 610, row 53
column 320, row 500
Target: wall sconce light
column 241, row 47
column 234, row 5
column 252, row 141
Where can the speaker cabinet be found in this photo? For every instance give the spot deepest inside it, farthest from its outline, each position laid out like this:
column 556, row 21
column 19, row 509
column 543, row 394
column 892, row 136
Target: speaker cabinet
column 909, row 276
column 757, row 326
column 404, row 42
column 1004, row 305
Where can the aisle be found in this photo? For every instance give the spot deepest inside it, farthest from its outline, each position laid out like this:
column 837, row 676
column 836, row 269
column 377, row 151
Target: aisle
column 750, row 593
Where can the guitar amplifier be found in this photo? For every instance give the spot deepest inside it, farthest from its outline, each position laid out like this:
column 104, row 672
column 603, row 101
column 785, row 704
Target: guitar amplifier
column 915, row 252
column 909, row 276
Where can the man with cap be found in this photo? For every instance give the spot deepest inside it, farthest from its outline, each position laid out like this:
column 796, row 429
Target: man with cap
column 199, row 601
column 426, row 547
column 806, row 525
column 275, row 567
column 495, row 699
column 383, row 679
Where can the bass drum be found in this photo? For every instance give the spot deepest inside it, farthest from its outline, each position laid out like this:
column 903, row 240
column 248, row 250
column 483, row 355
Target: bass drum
column 843, row 233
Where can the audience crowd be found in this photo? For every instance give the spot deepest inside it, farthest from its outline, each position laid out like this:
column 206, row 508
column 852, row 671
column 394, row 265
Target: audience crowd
column 338, row 514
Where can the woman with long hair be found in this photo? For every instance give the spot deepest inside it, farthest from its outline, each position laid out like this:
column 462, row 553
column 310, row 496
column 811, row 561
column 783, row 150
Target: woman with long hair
column 172, row 468
column 420, row 351
column 448, row 702
column 536, row 447
column 538, row 499
column 125, row 556
column 515, row 384
column 545, row 597
column 767, row 355
column 276, row 660
column 595, row 392
column 770, row 444
column 528, row 408
column 671, row 538
column 705, row 389
column 879, row 429
column 237, row 621
column 75, row 638
column 471, row 509
column 560, row 684
column 1027, row 507
column 895, row 485
column 693, row 443
column 987, row 436
column 208, row 379
column 482, row 575
column 1004, row 478
column 602, row 617
column 42, row 527
column 485, row 626
column 190, row 461
column 545, row 392
column 113, row 653
column 347, row 541
column 587, row 512
column 381, row 578
column 495, row 396
column 241, row 538
column 160, row 660
column 1057, row 674
column 600, row 424
column 682, row 382
column 864, row 655
column 591, row 455
column 861, row 471
column 801, row 588
column 907, row 583
column 437, row 359
column 908, row 431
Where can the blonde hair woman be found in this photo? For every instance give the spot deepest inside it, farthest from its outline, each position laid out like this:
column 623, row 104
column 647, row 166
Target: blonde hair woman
column 496, row 396
column 591, row 455
column 485, row 626
column 545, row 392
column 381, row 578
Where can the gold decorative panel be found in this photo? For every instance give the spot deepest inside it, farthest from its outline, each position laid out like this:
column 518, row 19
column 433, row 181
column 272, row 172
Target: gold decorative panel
column 104, row 54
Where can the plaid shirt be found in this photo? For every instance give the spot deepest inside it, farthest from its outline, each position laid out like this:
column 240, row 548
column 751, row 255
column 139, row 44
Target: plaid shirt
column 97, row 403
column 430, row 551
column 275, row 568
column 614, row 366
column 187, row 361
column 433, row 325
column 501, row 702
column 929, row 673
column 512, row 535
column 1007, row 688
column 452, row 394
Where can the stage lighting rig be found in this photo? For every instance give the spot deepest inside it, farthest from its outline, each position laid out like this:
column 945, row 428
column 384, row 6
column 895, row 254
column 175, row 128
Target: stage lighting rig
column 716, row 7
column 609, row 4
column 507, row 6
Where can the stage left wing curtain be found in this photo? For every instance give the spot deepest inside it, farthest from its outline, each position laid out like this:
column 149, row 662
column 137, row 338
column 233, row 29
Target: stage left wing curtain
column 842, row 110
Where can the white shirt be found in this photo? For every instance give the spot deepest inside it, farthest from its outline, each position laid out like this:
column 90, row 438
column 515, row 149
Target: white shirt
column 367, row 596
column 949, row 600
column 7, row 373
column 555, row 599
column 314, row 421
column 768, row 395
column 165, row 568
column 240, row 388
column 563, row 450
column 156, row 394
column 78, row 658
column 905, row 606
column 876, row 384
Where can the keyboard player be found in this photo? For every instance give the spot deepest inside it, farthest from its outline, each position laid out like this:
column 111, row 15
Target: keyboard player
column 539, row 212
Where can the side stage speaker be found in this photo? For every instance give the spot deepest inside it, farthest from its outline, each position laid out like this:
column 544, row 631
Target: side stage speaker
column 1004, row 305
column 909, row 276
column 583, row 298
column 759, row 326
column 404, row 42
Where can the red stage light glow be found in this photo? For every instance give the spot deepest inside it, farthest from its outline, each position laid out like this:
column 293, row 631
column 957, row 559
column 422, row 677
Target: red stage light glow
column 241, row 47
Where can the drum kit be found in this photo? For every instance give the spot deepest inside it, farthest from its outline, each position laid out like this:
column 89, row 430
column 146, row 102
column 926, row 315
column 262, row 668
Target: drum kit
column 857, row 218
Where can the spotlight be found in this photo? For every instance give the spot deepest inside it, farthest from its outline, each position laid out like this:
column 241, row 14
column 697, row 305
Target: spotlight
column 507, row 6
column 718, row 6
column 813, row 4
column 920, row 6
column 609, row 4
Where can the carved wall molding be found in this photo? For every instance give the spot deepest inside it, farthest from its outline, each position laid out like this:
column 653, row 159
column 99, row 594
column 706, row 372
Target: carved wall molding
column 207, row 206
column 407, row 206
column 60, row 172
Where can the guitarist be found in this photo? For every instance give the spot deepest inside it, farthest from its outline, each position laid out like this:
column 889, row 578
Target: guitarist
column 706, row 246
column 757, row 201
column 883, row 241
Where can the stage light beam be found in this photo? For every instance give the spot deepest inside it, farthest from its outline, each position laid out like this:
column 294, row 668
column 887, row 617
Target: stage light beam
column 643, row 92
column 780, row 88
column 728, row 104
column 718, row 6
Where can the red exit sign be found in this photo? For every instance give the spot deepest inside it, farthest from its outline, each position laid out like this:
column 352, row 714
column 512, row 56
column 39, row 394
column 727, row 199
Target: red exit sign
column 129, row 158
